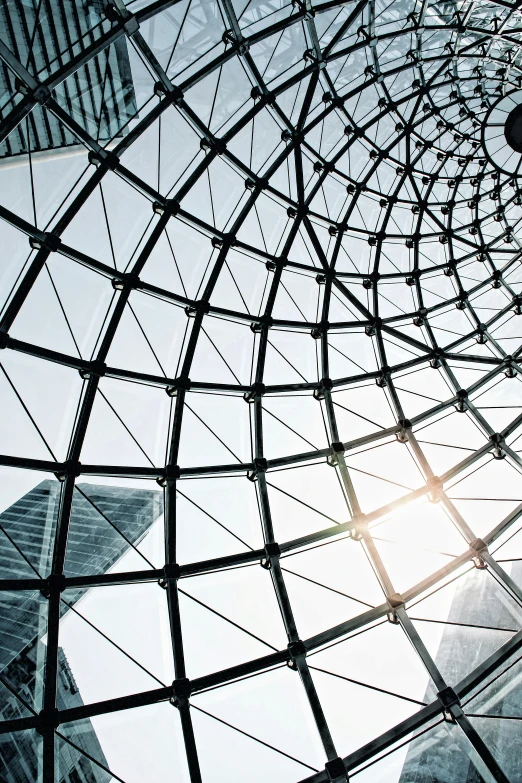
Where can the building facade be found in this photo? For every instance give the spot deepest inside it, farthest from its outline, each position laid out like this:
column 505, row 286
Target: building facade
column 105, row 522
column 484, row 615
column 99, row 96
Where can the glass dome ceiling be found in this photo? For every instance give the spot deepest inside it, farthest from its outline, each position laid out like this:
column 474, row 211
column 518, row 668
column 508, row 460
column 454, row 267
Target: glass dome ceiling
column 261, row 421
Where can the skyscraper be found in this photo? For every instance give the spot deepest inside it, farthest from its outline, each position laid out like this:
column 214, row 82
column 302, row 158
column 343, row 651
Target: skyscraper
column 105, row 522
column 19, row 757
column 288, row 291
column 99, row 96
column 481, row 616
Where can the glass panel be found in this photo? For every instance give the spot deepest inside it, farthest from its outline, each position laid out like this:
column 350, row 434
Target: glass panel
column 260, row 297
column 133, row 744
column 108, row 526
column 439, row 754
column 23, row 649
column 120, row 661
column 20, row 755
column 466, row 622
column 228, row 618
column 265, row 720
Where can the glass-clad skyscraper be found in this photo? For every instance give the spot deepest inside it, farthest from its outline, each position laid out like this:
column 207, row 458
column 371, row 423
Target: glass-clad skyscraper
column 479, row 621
column 105, row 523
column 262, row 257
column 19, row 755
column 43, row 36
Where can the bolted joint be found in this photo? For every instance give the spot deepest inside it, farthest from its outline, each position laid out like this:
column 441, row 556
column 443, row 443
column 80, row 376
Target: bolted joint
column 297, row 652
column 96, row 367
column 496, row 281
column 53, row 583
column 175, row 95
column 420, row 318
column 171, row 572
column 160, row 89
column 294, row 213
column 173, row 92
column 481, row 337
column 478, row 546
column 48, row 720
column 256, row 390
column 510, row 370
column 216, row 145
column 395, row 601
column 326, row 384
column 4, row 340
column 336, row 770
column 238, row 44
column 129, row 21
column 358, row 527
column 259, row 182
column 318, row 331
column 450, row 704
column 402, row 434
column 181, row 690
column 46, row 241
column 104, row 158
column 435, row 486
column 128, row 280
column 228, row 37
column 260, row 466
column 337, row 448
column 272, row 550
column 199, row 306
column 171, row 473
column 225, row 240
column 462, row 405
column 40, row 94
column 69, row 468
column 263, row 322
column 497, row 441
column 118, row 283
column 382, row 379
column 170, row 206
column 180, row 384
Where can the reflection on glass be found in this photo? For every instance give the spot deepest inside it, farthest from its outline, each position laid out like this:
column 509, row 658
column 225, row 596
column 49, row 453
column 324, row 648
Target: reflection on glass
column 106, row 522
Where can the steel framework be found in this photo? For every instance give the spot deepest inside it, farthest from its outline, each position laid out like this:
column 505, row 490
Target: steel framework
column 395, row 106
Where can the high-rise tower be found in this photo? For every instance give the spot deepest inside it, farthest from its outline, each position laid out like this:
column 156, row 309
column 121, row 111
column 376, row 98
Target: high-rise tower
column 99, row 95
column 105, row 522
